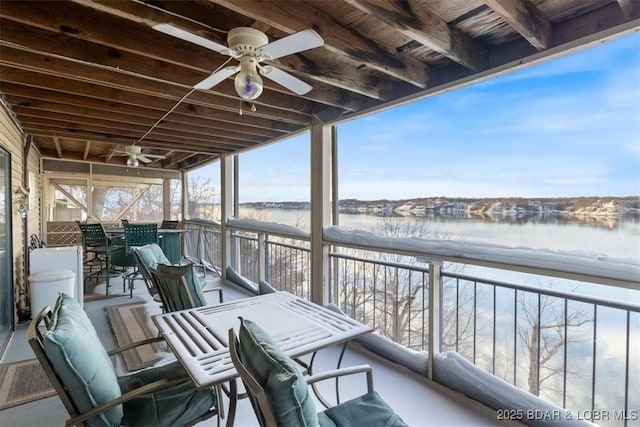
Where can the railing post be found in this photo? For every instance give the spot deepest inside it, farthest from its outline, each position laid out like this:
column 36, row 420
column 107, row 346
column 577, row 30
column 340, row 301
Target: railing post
column 320, row 210
column 227, row 198
column 262, row 258
column 435, row 310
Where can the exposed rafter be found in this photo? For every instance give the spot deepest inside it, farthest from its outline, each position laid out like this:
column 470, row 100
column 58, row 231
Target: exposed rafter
column 56, row 142
column 291, row 17
column 526, row 19
column 87, row 147
column 87, row 76
column 420, row 24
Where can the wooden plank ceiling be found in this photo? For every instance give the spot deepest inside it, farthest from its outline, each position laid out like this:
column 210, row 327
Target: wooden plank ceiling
column 87, row 77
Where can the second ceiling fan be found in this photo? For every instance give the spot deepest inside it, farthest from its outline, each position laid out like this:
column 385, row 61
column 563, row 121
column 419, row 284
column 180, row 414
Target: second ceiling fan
column 250, row 47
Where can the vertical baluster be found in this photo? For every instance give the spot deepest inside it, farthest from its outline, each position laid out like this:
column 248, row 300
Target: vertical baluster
column 539, row 332
column 564, row 369
column 593, row 366
column 626, row 371
column 493, row 346
column 475, row 319
column 457, row 313
column 515, row 332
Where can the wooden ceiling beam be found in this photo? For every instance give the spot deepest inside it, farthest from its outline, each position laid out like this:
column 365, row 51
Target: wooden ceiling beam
column 74, row 155
column 39, row 99
column 158, row 133
column 291, row 17
column 414, row 19
column 526, row 19
column 102, row 136
column 121, row 120
column 339, row 75
column 56, row 143
column 72, row 71
column 175, row 159
column 627, row 6
column 84, row 23
column 161, row 105
column 87, row 24
column 39, row 40
column 87, row 148
column 217, row 145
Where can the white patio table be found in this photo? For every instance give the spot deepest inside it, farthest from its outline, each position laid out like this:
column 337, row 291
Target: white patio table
column 199, row 336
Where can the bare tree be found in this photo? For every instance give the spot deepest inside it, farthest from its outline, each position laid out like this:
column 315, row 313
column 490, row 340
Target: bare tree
column 201, row 198
column 542, row 337
column 392, row 298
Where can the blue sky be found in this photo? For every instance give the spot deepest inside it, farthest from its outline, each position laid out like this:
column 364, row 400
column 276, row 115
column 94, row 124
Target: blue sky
column 565, row 127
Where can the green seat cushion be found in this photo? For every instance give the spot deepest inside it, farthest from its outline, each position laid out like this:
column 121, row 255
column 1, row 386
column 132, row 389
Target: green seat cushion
column 367, row 410
column 78, row 357
column 194, row 286
column 151, row 255
column 174, row 406
column 284, row 386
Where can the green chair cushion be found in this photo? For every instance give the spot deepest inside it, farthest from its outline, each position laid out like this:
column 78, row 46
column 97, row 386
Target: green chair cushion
column 366, row 410
column 174, row 406
column 78, row 357
column 193, row 283
column 152, row 255
column 284, row 386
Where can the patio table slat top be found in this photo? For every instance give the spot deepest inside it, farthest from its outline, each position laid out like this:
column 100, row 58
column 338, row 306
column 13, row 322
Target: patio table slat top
column 199, row 337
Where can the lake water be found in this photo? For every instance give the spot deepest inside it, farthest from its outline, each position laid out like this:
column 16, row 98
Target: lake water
column 616, row 238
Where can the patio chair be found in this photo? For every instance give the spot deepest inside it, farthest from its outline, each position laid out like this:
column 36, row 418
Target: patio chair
column 148, row 257
column 179, row 287
column 79, row 368
column 95, row 241
column 135, row 235
column 279, row 392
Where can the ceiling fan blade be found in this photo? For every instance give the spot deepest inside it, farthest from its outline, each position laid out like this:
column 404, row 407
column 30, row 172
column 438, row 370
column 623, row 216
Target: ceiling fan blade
column 285, row 79
column 154, row 156
column 217, row 77
column 143, row 158
column 297, row 42
column 193, row 38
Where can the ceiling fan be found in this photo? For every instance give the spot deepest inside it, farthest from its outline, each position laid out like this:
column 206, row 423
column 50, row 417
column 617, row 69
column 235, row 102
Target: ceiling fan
column 134, row 152
column 250, row 47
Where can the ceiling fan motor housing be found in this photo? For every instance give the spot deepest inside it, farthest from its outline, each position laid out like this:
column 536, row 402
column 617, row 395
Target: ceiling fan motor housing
column 133, row 149
column 246, row 41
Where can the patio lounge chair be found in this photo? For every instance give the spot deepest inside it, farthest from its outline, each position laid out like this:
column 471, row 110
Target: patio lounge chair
column 279, row 393
column 81, row 372
column 178, row 287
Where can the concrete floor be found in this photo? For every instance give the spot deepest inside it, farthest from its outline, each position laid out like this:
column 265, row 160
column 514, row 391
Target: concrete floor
column 417, row 400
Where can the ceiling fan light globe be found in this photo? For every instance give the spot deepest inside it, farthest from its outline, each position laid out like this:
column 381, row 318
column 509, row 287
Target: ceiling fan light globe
column 248, row 84
column 132, row 162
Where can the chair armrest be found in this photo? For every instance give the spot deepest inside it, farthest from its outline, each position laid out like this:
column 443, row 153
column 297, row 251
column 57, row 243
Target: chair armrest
column 335, row 373
column 134, row 345
column 218, row 290
column 149, row 388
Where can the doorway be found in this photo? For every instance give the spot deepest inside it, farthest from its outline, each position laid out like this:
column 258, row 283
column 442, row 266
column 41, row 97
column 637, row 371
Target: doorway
column 6, row 255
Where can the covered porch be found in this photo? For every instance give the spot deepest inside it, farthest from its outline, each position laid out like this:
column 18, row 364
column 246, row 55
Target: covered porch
column 78, row 95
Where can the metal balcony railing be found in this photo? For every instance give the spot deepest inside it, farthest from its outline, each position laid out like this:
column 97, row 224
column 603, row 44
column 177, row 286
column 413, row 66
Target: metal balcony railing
column 578, row 351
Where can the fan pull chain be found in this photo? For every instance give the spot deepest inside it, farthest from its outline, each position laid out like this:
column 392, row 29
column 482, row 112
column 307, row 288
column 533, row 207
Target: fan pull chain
column 164, row 116
column 175, row 106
